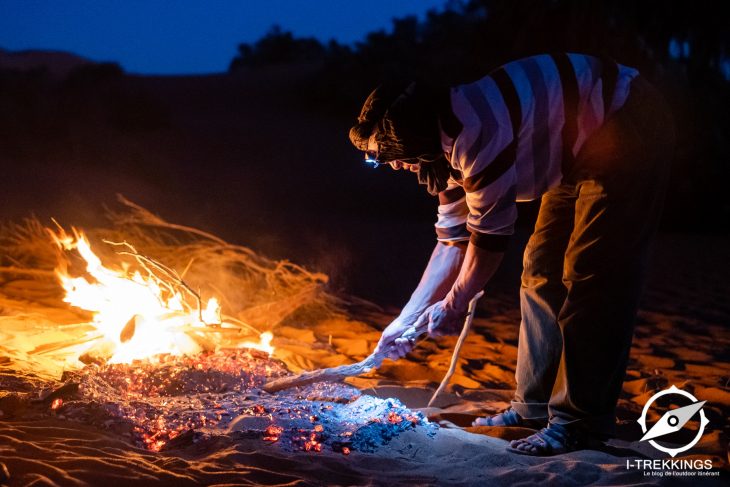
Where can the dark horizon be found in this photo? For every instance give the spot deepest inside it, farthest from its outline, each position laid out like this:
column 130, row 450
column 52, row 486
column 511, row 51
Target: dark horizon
column 151, row 38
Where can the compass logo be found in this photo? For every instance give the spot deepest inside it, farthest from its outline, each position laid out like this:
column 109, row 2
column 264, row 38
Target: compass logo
column 673, row 421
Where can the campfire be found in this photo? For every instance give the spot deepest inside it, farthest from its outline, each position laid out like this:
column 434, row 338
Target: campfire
column 140, row 313
column 174, row 342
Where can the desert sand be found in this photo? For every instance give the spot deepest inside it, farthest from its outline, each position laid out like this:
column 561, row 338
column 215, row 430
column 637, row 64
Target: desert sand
column 681, row 338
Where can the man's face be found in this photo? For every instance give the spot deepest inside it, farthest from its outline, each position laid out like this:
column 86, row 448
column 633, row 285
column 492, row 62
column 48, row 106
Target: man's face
column 395, row 165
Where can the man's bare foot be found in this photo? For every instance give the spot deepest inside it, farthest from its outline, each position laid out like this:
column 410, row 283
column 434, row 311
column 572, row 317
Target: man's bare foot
column 555, row 440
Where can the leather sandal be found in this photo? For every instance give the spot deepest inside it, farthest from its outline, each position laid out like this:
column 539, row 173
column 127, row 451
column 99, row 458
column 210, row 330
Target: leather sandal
column 509, row 418
column 556, row 439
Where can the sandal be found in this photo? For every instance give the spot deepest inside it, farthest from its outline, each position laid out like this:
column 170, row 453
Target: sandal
column 509, row 418
column 556, row 439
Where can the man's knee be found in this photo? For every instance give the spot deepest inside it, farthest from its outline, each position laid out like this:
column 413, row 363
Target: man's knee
column 533, row 279
column 540, row 268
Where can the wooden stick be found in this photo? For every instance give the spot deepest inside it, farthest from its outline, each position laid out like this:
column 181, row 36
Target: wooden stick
column 457, row 349
column 332, row 374
column 372, row 361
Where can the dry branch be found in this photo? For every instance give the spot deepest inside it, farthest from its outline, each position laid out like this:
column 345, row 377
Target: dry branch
column 253, row 290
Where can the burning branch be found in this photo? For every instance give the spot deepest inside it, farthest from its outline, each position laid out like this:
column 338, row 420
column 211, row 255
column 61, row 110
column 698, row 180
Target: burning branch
column 145, row 262
column 129, row 315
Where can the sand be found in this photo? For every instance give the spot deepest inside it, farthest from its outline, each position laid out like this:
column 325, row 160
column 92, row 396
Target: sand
column 673, row 345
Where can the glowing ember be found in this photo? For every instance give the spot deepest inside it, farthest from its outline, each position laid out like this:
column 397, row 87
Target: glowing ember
column 57, row 403
column 272, row 433
column 175, row 402
column 393, row 417
column 139, row 314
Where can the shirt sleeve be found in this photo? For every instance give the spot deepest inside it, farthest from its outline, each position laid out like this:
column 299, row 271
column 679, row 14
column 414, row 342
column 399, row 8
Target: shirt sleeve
column 493, row 208
column 452, row 214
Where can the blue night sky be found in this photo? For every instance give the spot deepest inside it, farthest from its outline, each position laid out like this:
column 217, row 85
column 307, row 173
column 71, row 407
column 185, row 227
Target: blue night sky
column 186, row 36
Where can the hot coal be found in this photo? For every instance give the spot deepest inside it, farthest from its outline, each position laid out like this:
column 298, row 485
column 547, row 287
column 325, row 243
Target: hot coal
column 174, row 402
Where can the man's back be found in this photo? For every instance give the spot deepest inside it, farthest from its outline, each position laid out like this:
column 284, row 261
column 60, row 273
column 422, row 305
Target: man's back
column 516, row 123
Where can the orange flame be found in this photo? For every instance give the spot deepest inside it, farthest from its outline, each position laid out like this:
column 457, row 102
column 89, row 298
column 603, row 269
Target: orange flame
column 137, row 314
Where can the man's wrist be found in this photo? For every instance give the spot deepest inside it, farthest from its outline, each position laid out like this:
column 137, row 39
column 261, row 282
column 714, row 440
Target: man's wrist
column 454, row 302
column 409, row 317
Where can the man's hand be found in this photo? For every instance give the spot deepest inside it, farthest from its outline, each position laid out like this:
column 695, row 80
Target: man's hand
column 391, row 342
column 442, row 319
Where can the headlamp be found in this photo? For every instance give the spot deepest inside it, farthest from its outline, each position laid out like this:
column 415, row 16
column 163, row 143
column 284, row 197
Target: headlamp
column 371, row 158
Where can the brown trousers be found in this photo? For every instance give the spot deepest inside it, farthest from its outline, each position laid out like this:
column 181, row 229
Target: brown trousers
column 585, row 265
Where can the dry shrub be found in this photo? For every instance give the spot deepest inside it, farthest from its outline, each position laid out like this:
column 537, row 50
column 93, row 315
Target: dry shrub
column 37, row 327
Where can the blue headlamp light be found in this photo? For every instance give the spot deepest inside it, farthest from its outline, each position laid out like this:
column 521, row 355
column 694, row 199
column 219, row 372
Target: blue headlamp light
column 371, row 159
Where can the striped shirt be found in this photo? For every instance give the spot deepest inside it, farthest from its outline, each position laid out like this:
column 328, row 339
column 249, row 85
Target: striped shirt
column 522, row 125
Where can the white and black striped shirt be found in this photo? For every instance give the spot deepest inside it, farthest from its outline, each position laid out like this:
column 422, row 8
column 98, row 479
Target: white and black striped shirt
column 518, row 122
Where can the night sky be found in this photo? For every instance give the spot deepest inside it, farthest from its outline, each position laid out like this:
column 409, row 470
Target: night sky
column 186, row 36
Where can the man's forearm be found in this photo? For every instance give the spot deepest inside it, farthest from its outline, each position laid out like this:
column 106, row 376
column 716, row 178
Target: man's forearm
column 478, row 267
column 438, row 278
